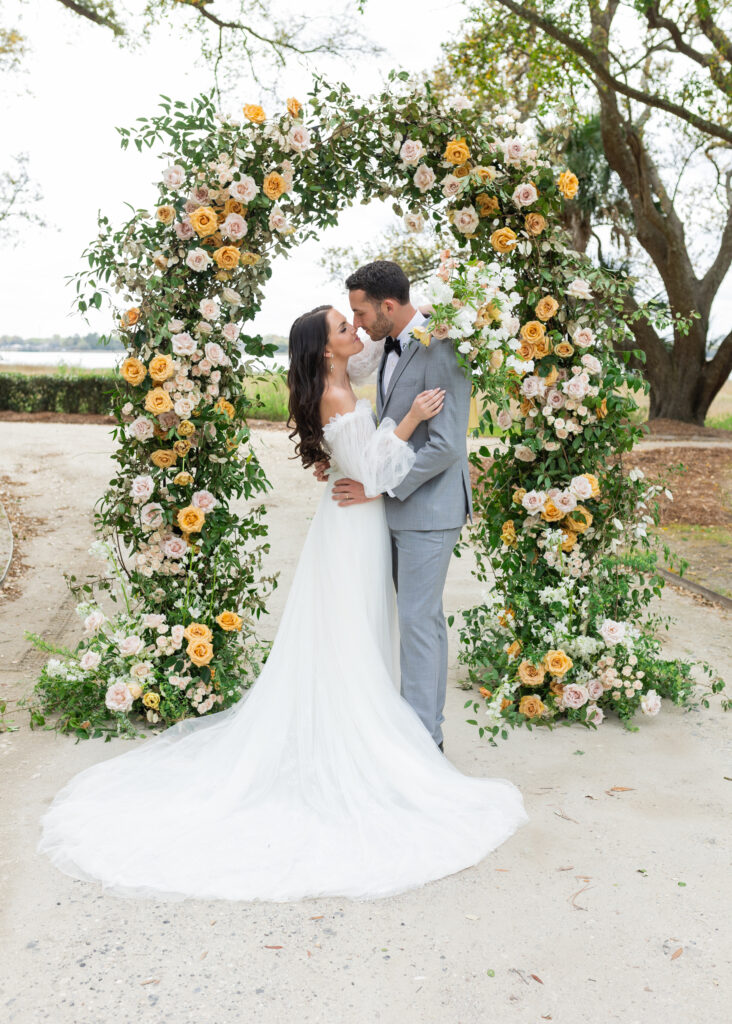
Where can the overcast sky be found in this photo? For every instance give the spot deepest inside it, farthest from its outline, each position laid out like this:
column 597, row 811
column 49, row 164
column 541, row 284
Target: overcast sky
column 79, row 85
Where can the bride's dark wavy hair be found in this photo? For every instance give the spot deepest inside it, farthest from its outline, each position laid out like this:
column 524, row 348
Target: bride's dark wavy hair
column 306, row 381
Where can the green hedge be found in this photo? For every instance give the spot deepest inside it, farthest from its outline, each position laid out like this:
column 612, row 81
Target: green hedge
column 22, row 392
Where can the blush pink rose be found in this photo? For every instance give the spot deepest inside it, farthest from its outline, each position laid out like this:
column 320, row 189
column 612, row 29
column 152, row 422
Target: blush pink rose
column 94, row 621
column 411, row 152
column 204, row 500
column 595, row 689
column 184, row 344
column 119, row 698
column 90, row 660
column 244, row 190
column 198, row 260
column 130, row 646
column 583, row 337
column 142, row 487
column 299, row 139
column 176, row 635
column 650, row 703
column 174, row 547
column 184, row 230
column 525, row 194
column 141, row 429
column 466, row 219
column 424, row 178
column 174, row 177
column 234, row 227
column 215, row 355
column 151, row 515
column 574, row 696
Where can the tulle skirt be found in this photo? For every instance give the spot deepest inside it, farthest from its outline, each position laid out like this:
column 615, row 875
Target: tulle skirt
column 321, row 781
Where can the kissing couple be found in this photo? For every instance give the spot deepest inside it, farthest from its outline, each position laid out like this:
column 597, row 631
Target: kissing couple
column 328, row 777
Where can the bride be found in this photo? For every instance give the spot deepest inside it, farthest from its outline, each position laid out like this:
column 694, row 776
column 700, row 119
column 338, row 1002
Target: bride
column 322, row 780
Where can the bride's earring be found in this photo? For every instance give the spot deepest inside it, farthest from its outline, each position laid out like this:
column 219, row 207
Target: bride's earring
column 332, row 365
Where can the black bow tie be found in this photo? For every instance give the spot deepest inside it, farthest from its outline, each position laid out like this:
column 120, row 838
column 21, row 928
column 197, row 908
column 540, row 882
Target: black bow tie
column 392, row 345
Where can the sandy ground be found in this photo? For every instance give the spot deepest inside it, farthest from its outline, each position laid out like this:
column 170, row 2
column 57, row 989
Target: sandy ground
column 606, row 907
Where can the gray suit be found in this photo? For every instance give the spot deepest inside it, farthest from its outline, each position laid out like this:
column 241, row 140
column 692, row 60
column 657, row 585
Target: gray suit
column 425, row 516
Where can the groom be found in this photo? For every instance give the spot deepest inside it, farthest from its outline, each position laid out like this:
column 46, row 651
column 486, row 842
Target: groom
column 427, row 510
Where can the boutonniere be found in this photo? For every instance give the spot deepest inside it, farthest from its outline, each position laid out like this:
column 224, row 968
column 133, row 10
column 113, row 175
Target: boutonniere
column 423, row 336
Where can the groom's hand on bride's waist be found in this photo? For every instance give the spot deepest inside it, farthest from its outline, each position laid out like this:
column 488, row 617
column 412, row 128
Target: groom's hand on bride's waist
column 350, row 492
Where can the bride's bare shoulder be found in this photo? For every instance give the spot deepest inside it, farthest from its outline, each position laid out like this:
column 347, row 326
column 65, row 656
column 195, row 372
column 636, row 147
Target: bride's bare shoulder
column 336, row 401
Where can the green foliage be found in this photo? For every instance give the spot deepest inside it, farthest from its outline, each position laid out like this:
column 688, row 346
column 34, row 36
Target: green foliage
column 89, row 393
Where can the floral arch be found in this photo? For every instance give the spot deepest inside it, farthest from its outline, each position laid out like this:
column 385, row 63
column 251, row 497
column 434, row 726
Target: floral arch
column 561, row 635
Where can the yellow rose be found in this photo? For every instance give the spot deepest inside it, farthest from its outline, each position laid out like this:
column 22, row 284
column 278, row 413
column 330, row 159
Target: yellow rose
column 513, row 649
column 223, row 406
column 564, row 349
column 462, row 171
column 234, row 206
column 532, row 331
column 293, row 107
column 579, row 520
column 135, row 689
column 486, row 205
column 508, row 534
column 133, row 371
column 569, row 540
column 534, row 223
column 525, row 350
column 530, row 675
column 484, row 692
column 556, row 687
column 542, row 347
column 197, row 631
column 204, row 221
column 186, row 428
column 227, row 257
column 191, row 519
column 248, row 259
column 531, row 705
column 488, row 313
column 551, row 377
column 274, row 185
column 253, row 112
column 182, row 448
column 484, row 174
column 423, row 337
column 568, row 184
column 601, row 410
column 229, row 621
column 200, row 652
column 151, row 700
column 164, row 458
column 457, row 151
column 518, row 495
column 546, row 307
column 550, row 513
column 165, row 214
column 503, row 240
column 183, row 479
column 496, row 360
column 158, row 400
column 130, row 318
column 594, row 484
column 557, row 663
column 161, row 367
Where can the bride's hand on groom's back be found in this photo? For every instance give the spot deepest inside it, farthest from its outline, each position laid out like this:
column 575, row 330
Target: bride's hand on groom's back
column 320, row 470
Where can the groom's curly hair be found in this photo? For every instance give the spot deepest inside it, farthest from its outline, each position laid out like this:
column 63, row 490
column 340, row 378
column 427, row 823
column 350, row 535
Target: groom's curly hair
column 306, row 381
column 382, row 279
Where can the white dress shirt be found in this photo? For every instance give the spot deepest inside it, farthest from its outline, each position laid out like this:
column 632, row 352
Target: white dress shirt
column 404, row 338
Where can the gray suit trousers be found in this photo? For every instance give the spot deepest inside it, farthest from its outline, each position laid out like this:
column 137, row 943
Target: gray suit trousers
column 419, row 563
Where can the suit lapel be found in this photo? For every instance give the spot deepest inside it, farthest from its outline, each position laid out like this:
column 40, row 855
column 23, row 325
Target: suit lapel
column 380, row 385
column 399, row 369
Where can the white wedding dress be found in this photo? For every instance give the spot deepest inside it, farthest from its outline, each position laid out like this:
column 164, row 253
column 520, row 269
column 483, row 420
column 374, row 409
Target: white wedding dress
column 322, row 780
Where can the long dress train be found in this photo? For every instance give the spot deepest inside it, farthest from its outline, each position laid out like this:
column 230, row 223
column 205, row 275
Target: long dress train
column 322, row 780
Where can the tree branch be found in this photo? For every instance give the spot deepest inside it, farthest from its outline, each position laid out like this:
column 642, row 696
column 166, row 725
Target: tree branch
column 602, row 73
column 91, row 13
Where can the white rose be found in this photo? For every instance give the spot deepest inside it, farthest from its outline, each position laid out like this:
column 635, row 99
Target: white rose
column 176, row 635
column 579, row 289
column 118, row 697
column 90, row 660
column 209, row 308
column 175, row 325
column 581, row 488
column 151, row 515
column 533, row 501
column 612, row 632
column 198, row 259
column 414, row 221
column 574, row 696
column 412, row 152
column 299, row 138
column 524, row 453
column 525, row 194
column 141, row 429
column 130, row 646
column 204, row 500
column 451, row 185
column 184, row 407
column 583, row 337
column 184, row 344
column 591, row 363
column 215, row 354
column 424, row 178
column 466, row 219
column 230, row 332
column 94, row 621
column 141, row 488
column 174, row 177
column 244, row 190
column 650, row 703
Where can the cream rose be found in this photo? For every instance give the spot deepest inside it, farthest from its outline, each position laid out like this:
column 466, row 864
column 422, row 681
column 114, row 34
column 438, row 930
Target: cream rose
column 466, row 219
column 119, row 698
column 424, row 178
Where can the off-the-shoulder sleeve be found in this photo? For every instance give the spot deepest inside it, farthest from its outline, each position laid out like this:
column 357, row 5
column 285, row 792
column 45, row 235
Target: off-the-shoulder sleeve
column 373, row 455
column 364, row 363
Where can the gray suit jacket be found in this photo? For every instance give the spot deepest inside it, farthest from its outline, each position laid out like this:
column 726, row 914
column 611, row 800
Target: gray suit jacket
column 436, row 493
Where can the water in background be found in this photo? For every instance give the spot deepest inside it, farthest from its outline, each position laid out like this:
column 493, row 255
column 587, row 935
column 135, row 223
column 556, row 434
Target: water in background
column 94, row 359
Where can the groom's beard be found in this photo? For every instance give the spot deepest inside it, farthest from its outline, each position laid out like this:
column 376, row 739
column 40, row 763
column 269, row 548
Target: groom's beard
column 381, row 328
